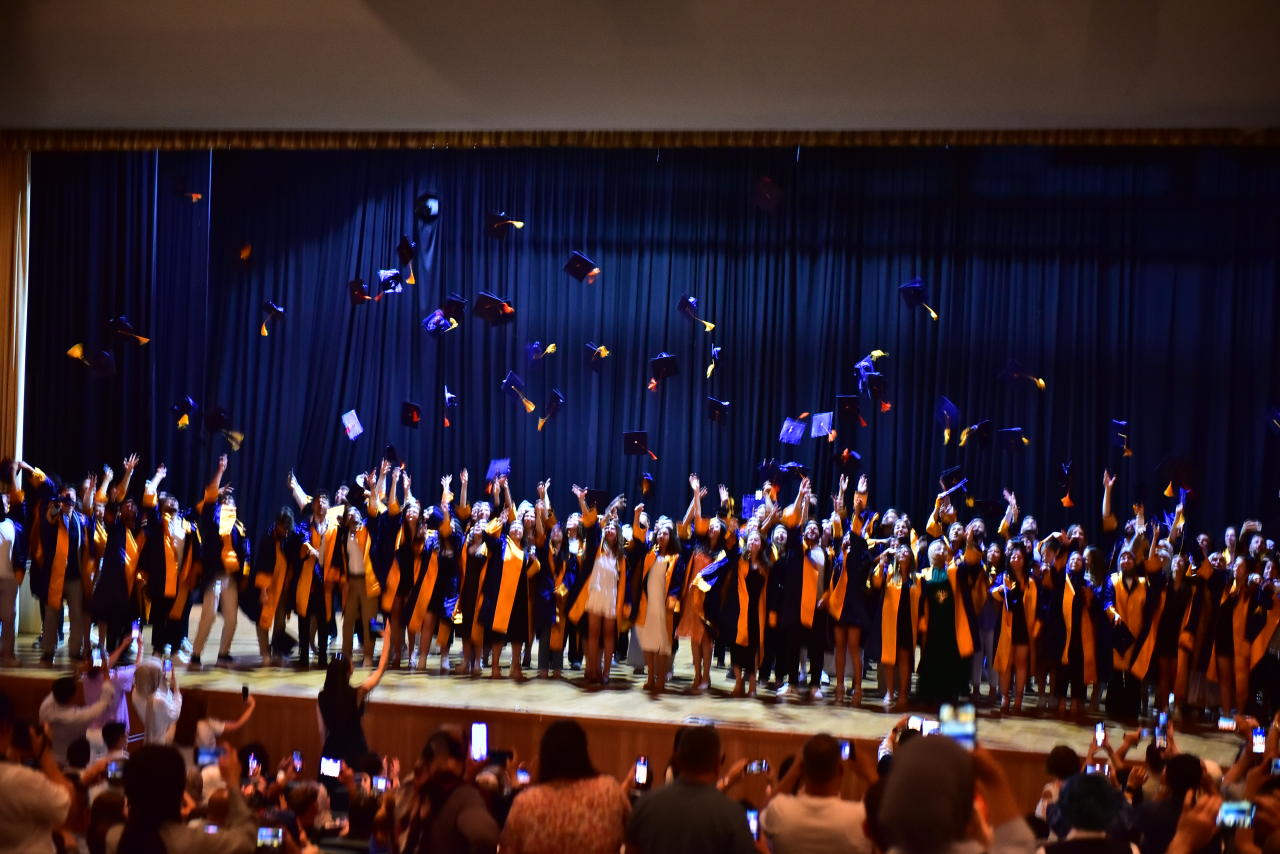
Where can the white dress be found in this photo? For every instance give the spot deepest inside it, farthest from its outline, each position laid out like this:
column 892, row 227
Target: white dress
column 653, row 634
column 602, row 595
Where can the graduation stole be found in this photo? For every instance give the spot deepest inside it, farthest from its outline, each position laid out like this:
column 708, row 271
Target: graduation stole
column 275, row 586
column 894, row 587
column 1086, row 630
column 427, row 586
column 131, row 552
column 649, row 560
column 61, row 554
column 809, row 585
column 835, row 601
column 93, row 558
column 322, row 541
column 226, row 526
column 1004, row 646
column 512, row 566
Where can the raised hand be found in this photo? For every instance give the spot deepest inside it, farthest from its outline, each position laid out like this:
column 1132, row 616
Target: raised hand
column 107, row 474
column 541, row 490
column 702, row 492
column 724, row 494
column 130, row 463
column 222, row 463
column 1108, row 479
column 844, row 482
column 161, row 471
column 462, row 477
column 578, row 491
column 862, row 483
column 694, row 482
column 446, row 480
column 1011, row 498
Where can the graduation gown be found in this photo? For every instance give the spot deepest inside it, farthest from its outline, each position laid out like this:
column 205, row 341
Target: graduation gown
column 272, row 568
column 896, row 593
column 740, row 600
column 504, row 610
column 313, row 585
column 848, row 583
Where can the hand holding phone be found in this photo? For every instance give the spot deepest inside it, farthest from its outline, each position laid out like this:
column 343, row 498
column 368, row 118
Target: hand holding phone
column 757, row 766
column 1099, row 733
column 753, row 822
column 479, row 742
column 642, row 773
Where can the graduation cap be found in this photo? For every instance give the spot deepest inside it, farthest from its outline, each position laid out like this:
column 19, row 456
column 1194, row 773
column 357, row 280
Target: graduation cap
column 947, row 416
column 389, row 454
column 185, row 409
column 450, row 399
column 952, row 477
column 405, row 249
column 913, row 293
column 553, row 406
column 766, row 195
column 980, row 433
column 427, row 207
column 597, row 498
column 866, row 367
column 181, row 190
column 410, row 414
column 848, row 411
column 216, row 420
column 1178, row 471
column 663, row 365
column 357, row 291
column 1064, row 483
column 769, row 470
column 792, row 431
column 438, row 323
column 1273, row 420
column 878, row 388
column 1014, row 373
column 1011, row 439
column 646, row 483
column 688, row 306
column 847, row 461
column 101, row 363
column 494, row 310
column 535, row 351
column 244, row 256
column 717, row 410
column 351, row 424
column 715, row 358
column 391, row 283
column 1120, row 436
column 820, row 427
column 635, row 443
column 794, row 470
column 513, row 387
column 498, row 468
column 272, row 310
column 596, row 354
column 582, row 268
column 121, row 326
column 455, row 306
column 498, row 225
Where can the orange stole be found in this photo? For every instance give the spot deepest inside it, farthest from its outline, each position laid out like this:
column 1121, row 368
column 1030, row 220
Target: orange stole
column 425, row 589
column 188, row 575
column 512, row 566
column 477, row 630
column 93, row 559
column 557, row 582
column 1004, row 646
column 964, row 642
column 743, row 635
column 1128, row 606
column 642, row 607
column 323, row 543
column 809, row 579
column 274, row 585
column 58, row 566
column 889, row 619
column 1239, row 617
column 1086, row 631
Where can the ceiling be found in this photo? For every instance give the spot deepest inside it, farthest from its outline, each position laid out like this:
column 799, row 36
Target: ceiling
column 639, row 64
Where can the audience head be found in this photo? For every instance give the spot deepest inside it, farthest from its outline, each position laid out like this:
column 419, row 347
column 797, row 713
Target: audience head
column 821, row 766
column 115, row 736
column 443, row 756
column 1155, row 759
column 699, row 754
column 337, row 675
column 563, row 755
column 154, row 781
column 217, row 807
column 941, row 767
column 1182, row 774
column 107, row 811
column 303, row 799
column 78, row 753
column 284, row 522
column 1089, row 802
column 871, row 827
column 361, row 814
column 64, row 690
column 1062, row 762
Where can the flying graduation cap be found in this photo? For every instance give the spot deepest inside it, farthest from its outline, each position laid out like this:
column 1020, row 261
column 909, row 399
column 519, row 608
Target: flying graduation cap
column 820, row 427
column 717, row 410
column 1011, row 439
column 914, row 294
column 351, row 424
column 688, row 306
column 947, row 416
column 596, row 354
column 1178, row 471
column 848, row 411
column 101, row 363
column 715, row 359
column 662, row 366
column 1120, row 436
column 438, row 323
column 553, row 406
column 766, row 195
column 216, row 420
column 391, row 283
column 535, row 351
column 427, row 207
column 1014, row 372
column 1064, row 483
column 450, row 399
column 272, row 310
column 866, row 367
column 358, row 293
column 405, row 250
column 185, row 409
column 121, row 326
column 980, row 433
column 513, row 387
column 498, row 225
column 410, row 414
column 848, row 461
column 635, row 443
column 494, row 310
column 646, row 483
column 792, row 431
column 582, row 268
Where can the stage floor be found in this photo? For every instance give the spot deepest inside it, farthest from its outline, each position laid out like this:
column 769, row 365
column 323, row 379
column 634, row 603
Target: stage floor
column 625, row 700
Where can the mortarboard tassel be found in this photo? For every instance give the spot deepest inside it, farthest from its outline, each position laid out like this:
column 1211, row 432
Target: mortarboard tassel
column 885, row 406
column 246, row 251
column 1168, row 490
column 715, row 357
column 551, row 348
column 410, row 281
column 77, row 352
column 542, row 422
column 1067, row 502
column 528, row 404
column 932, row 313
column 184, row 422
column 234, row 438
column 264, row 329
column 831, row 437
column 653, row 385
column 964, row 436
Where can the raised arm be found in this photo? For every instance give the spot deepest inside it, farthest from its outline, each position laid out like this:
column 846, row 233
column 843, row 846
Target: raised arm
column 153, row 487
column 122, row 488
column 232, row 726
column 393, row 503
column 1108, row 518
column 375, row 677
column 463, row 507
column 299, row 495
column 215, row 482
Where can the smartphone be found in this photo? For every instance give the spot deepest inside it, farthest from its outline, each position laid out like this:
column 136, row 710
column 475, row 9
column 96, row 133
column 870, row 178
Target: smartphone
column 522, row 776
column 330, row 767
column 254, row 765
column 210, row 828
column 959, row 723
column 97, row 657
column 209, row 755
column 115, row 772
column 757, row 766
column 753, row 822
column 1235, row 814
column 1162, row 731
column 1145, row 732
column 1169, row 705
column 167, row 665
column 379, row 784
column 1226, row 724
column 928, row 727
column 270, row 837
column 244, row 693
column 479, row 742
column 1259, row 739
column 1100, row 768
column 137, row 630
column 1275, row 767
column 1099, row 733
column 642, row 772
column 915, row 722
column 378, row 624
column 846, row 750
column 297, row 761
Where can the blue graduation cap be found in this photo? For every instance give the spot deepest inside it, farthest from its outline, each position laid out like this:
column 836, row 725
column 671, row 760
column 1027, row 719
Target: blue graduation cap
column 513, row 387
column 913, row 293
column 820, row 428
column 792, row 432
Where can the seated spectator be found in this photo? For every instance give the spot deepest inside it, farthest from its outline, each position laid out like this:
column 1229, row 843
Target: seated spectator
column 33, row 803
column 153, row 788
column 818, row 819
column 303, row 800
column 572, row 807
column 871, row 818
column 107, row 811
column 360, row 824
column 1061, row 764
column 1089, row 805
column 690, row 814
column 447, row 814
column 67, row 719
column 1158, row 819
column 78, row 756
column 937, row 778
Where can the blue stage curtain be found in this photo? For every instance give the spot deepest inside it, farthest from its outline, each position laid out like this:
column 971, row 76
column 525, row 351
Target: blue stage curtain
column 1140, row 283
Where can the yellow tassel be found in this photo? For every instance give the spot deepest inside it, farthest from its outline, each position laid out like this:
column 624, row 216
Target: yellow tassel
column 410, row 281
column 234, row 438
column 1128, row 452
column 551, row 348
column 709, row 325
column 264, row 329
column 1168, row 490
column 876, row 354
column 946, row 435
column 516, row 223
column 1026, row 441
column 968, row 501
column 964, row 436
column 541, row 421
column 932, row 313
column 528, row 404
column 711, row 367
column 184, row 422
column 1039, row 383
column 76, row 352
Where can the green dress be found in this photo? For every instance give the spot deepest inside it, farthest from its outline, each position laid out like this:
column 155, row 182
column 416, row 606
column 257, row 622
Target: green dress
column 943, row 674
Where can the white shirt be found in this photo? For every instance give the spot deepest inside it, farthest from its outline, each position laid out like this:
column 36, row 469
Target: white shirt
column 31, row 806
column 796, row 824
column 67, row 723
column 7, row 536
column 239, row 835
column 355, row 557
column 165, row 706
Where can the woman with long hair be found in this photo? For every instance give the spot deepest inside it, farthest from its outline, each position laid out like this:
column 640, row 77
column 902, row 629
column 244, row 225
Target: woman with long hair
column 743, row 613
column 599, row 590
column 157, row 700
column 1229, row 664
column 894, row 574
column 1016, row 595
column 657, row 581
column 340, row 707
column 431, row 580
column 550, row 587
column 710, row 539
column 572, row 807
column 944, row 616
column 847, row 605
column 504, row 612
column 473, row 563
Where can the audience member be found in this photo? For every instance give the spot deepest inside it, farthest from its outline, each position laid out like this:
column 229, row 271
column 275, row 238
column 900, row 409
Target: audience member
column 196, row 729
column 157, row 700
column 446, row 813
column 818, row 819
column 1061, row 764
column 1158, row 819
column 1089, row 805
column 66, row 718
column 33, row 802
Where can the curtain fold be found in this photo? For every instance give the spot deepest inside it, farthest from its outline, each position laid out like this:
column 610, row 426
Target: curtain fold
column 1140, row 283
column 15, row 199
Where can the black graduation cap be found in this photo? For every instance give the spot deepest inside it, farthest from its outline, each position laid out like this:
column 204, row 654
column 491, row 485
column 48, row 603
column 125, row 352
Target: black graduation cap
column 216, row 420
column 357, row 291
column 405, row 250
column 951, row 477
column 582, row 268
column 635, row 443
column 1011, row 439
column 1178, row 472
column 438, row 323
column 847, row 461
column 766, row 195
column 427, row 207
column 769, row 470
column 121, row 326
column 185, row 409
column 498, row 468
column 389, row 454
column 597, row 498
column 913, row 293
column 391, row 281
column 1064, row 484
column 272, row 310
column 410, row 414
column 494, row 310
column 664, row 365
column 498, row 225
column 794, row 470
column 980, row 433
column 717, row 410
column 553, row 406
column 596, row 354
column 455, row 306
column 1120, row 436
column 878, row 388
column 646, row 483
column 688, row 306
column 948, row 418
column 1015, row 372
column 535, row 351
column 101, row 363
column 182, row 190
column 848, row 410
column 513, row 387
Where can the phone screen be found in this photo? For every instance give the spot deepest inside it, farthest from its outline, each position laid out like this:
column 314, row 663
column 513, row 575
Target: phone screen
column 758, row 766
column 479, row 741
column 330, row 767
column 115, row 772
column 137, row 630
column 642, row 771
column 1259, row 739
column 928, row 727
column 1162, row 730
column 959, row 723
column 846, row 749
column 1099, row 734
column 254, row 767
column 1100, row 768
column 297, row 761
column 753, row 822
column 1235, row 814
column 915, row 722
column 1227, row 724
column 270, row 837
column 1275, row 767
column 522, row 777
column 97, row 658
column 208, row 755
column 380, row 784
